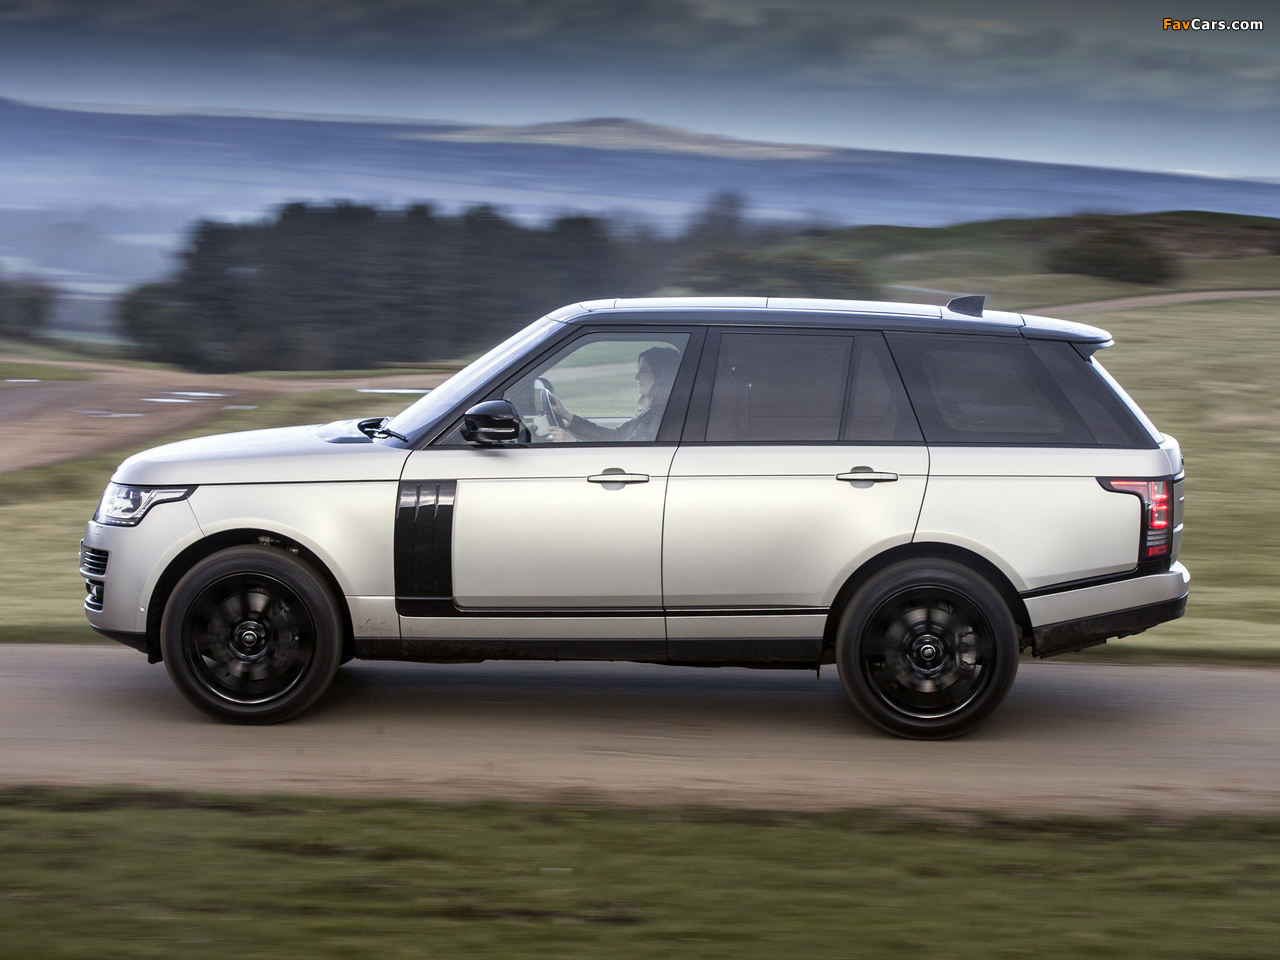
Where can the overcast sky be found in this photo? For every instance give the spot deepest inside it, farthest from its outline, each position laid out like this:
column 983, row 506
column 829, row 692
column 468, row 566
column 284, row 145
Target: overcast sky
column 1087, row 82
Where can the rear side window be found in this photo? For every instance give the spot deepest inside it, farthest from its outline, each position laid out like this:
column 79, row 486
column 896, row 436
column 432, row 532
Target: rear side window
column 771, row 387
column 1108, row 418
column 984, row 390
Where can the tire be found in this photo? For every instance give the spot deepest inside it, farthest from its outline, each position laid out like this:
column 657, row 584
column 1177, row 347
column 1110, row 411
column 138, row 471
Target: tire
column 251, row 635
column 927, row 649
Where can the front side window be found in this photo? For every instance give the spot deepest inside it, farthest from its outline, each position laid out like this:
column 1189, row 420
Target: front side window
column 602, row 388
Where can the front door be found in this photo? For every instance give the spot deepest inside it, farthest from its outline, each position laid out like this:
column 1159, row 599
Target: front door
column 559, row 539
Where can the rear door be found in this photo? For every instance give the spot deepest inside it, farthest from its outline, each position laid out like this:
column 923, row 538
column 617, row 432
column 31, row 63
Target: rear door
column 801, row 459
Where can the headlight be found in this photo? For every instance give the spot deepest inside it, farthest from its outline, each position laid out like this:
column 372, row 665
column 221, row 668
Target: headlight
column 125, row 506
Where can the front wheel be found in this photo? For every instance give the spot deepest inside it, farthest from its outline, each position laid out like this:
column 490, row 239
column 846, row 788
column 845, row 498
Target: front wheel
column 927, row 649
column 252, row 635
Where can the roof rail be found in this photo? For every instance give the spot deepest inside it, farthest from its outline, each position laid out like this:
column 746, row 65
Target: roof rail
column 968, row 306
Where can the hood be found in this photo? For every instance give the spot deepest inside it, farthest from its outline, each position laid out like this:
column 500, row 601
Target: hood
column 283, row 455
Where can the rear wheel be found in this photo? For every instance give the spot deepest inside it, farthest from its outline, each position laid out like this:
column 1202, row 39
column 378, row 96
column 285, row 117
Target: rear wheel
column 927, row 649
column 251, row 635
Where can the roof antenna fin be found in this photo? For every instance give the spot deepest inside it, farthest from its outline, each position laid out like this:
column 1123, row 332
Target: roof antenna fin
column 969, row 306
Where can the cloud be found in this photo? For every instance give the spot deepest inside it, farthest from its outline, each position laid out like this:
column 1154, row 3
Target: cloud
column 803, row 42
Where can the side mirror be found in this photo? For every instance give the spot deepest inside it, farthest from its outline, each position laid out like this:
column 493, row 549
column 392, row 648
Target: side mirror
column 493, row 422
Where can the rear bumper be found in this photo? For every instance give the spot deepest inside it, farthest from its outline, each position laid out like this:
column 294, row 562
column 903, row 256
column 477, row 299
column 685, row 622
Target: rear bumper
column 1074, row 619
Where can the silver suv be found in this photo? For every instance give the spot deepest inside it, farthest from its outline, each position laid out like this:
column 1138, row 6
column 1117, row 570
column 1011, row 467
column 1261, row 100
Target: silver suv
column 912, row 493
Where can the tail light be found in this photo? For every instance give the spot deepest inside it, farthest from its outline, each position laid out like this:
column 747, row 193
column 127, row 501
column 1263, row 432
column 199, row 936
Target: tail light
column 1157, row 512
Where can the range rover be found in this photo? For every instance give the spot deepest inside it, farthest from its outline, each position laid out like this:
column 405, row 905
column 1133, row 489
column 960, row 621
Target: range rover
column 913, row 493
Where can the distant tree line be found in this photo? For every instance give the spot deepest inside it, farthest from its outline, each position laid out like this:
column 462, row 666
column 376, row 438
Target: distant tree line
column 25, row 307
column 348, row 286
column 1114, row 252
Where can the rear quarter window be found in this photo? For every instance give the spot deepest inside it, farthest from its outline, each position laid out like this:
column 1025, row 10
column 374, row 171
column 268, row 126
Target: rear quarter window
column 1108, row 417
column 985, row 390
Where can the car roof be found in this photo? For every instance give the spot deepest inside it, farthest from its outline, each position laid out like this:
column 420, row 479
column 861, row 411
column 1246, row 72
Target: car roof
column 854, row 314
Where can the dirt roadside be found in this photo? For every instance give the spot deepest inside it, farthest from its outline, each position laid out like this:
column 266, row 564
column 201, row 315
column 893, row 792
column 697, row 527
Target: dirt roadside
column 124, row 406
column 1166, row 742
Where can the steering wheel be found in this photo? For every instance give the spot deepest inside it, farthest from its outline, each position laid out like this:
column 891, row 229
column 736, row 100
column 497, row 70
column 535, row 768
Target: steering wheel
column 543, row 402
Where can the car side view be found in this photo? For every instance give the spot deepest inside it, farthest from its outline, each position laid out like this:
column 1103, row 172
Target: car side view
column 913, row 493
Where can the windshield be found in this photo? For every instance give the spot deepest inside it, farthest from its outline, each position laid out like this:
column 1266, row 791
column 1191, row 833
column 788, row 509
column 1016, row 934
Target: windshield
column 414, row 420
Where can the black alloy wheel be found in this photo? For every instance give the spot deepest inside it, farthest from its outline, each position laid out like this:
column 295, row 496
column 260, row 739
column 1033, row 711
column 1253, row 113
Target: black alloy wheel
column 927, row 649
column 252, row 635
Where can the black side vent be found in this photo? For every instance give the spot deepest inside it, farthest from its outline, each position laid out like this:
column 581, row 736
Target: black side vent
column 424, row 540
column 93, row 562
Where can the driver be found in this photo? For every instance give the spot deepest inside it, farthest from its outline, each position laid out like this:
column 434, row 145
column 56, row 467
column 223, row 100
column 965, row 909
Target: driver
column 655, row 373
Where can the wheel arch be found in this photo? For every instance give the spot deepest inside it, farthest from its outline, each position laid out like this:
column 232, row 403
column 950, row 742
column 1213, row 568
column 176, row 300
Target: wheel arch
column 239, row 537
column 926, row 550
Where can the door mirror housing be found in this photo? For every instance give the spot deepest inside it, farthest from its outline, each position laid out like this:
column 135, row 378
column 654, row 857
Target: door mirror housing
column 493, row 422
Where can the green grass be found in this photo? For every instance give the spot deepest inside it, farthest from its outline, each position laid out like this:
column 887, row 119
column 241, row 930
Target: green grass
column 80, row 351
column 1209, row 373
column 389, row 371
column 43, row 512
column 1002, row 248
column 39, row 553
column 38, row 350
column 1039, row 290
column 21, row 370
column 106, row 873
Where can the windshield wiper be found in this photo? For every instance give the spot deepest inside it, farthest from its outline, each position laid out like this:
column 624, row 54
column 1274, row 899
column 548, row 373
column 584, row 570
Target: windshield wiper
column 375, row 428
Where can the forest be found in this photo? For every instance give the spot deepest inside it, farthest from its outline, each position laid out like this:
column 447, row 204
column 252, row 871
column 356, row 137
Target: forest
column 342, row 285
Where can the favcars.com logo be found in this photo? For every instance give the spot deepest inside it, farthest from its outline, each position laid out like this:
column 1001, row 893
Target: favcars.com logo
column 1198, row 24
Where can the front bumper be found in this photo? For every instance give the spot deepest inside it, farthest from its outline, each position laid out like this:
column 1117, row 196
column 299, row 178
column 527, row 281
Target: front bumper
column 120, row 565
column 1071, row 620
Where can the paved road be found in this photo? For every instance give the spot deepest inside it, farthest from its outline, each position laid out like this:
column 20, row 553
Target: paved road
column 1071, row 738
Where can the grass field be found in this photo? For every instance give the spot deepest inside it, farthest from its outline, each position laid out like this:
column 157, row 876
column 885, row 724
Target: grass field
column 48, row 349
column 1209, row 374
column 43, row 512
column 104, row 874
column 1028, row 292
column 24, row 370
column 446, row 367
column 1212, row 245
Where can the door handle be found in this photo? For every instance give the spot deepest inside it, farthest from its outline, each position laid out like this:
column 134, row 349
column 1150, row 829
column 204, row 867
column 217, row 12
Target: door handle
column 866, row 475
column 614, row 475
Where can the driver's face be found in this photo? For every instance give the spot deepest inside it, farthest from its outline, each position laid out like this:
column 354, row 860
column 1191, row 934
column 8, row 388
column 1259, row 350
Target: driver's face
column 644, row 379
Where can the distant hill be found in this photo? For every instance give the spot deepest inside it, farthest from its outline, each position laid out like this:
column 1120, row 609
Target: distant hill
column 612, row 133
column 100, row 197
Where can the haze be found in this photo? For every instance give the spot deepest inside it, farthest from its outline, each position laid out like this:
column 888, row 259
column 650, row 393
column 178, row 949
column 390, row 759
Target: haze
column 1084, row 83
